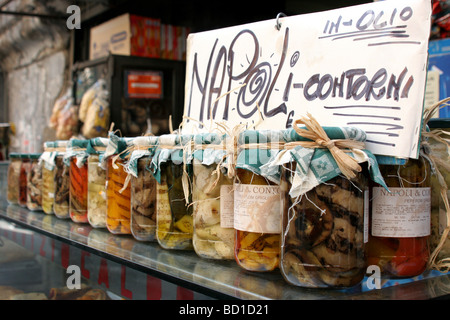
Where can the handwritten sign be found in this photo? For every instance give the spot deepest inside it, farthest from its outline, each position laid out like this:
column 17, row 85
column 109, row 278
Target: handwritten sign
column 361, row 66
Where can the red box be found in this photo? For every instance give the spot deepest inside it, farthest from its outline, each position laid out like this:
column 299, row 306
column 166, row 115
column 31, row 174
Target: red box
column 126, row 35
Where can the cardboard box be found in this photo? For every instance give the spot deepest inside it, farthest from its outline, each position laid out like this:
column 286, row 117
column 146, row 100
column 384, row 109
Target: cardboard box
column 173, row 42
column 126, row 35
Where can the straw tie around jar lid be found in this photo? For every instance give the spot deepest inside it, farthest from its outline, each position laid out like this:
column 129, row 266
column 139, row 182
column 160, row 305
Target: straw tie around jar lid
column 347, row 164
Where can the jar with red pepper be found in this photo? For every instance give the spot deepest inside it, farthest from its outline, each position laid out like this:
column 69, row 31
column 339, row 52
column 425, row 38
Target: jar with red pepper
column 24, row 168
column 400, row 220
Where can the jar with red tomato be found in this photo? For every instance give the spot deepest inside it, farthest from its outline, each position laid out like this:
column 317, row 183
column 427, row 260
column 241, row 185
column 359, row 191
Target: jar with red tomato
column 400, row 220
column 24, row 168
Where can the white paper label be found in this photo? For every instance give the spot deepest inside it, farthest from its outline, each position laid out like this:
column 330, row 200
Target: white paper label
column 226, row 206
column 257, row 208
column 405, row 212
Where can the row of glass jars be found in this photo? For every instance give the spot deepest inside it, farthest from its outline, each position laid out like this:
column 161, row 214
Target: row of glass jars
column 25, row 181
column 320, row 240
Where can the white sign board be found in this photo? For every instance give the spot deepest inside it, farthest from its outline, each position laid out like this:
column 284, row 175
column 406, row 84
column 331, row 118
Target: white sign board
column 362, row 66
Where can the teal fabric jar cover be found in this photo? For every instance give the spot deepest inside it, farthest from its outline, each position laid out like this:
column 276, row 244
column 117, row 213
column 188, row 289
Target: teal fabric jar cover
column 258, row 148
column 76, row 148
column 143, row 146
column 210, row 148
column 116, row 146
column 317, row 165
column 51, row 150
column 97, row 146
column 171, row 147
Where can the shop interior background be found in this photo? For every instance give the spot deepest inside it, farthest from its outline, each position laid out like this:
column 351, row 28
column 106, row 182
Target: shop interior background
column 38, row 50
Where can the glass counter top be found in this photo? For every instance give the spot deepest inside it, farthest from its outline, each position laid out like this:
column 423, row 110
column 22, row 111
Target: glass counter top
column 216, row 279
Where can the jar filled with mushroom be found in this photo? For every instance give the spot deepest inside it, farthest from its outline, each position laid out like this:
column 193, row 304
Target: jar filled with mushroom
column 212, row 197
column 143, row 188
column 61, row 205
column 34, row 183
column 325, row 208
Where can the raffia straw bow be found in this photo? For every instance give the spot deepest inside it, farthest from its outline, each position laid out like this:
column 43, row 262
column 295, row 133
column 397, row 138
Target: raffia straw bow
column 338, row 147
column 436, row 162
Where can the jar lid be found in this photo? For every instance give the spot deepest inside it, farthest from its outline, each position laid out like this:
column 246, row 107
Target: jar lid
column 14, row 155
column 24, row 156
column 34, row 155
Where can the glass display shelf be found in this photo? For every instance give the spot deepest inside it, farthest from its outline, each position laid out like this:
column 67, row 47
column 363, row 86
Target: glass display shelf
column 208, row 278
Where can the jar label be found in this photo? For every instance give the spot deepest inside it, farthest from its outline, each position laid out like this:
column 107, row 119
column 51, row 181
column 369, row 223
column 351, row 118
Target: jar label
column 405, row 212
column 226, row 206
column 257, row 208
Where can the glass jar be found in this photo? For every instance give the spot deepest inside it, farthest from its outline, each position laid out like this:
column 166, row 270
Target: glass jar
column 143, row 188
column 13, row 178
column 61, row 206
column 78, row 171
column 257, row 248
column 323, row 244
column 257, row 203
column 48, row 177
column 400, row 220
column 440, row 217
column 34, row 183
column 96, row 205
column 213, row 201
column 96, row 192
column 118, row 202
column 143, row 202
column 24, row 168
column 174, row 225
column 325, row 205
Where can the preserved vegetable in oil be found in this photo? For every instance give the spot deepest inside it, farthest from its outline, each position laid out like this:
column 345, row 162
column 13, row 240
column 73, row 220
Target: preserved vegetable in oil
column 118, row 194
column 13, row 178
column 96, row 183
column 212, row 197
column 173, row 171
column 62, row 182
column 325, row 205
column 257, row 202
column 34, row 183
column 24, row 168
column 76, row 159
column 143, row 188
column 400, row 219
